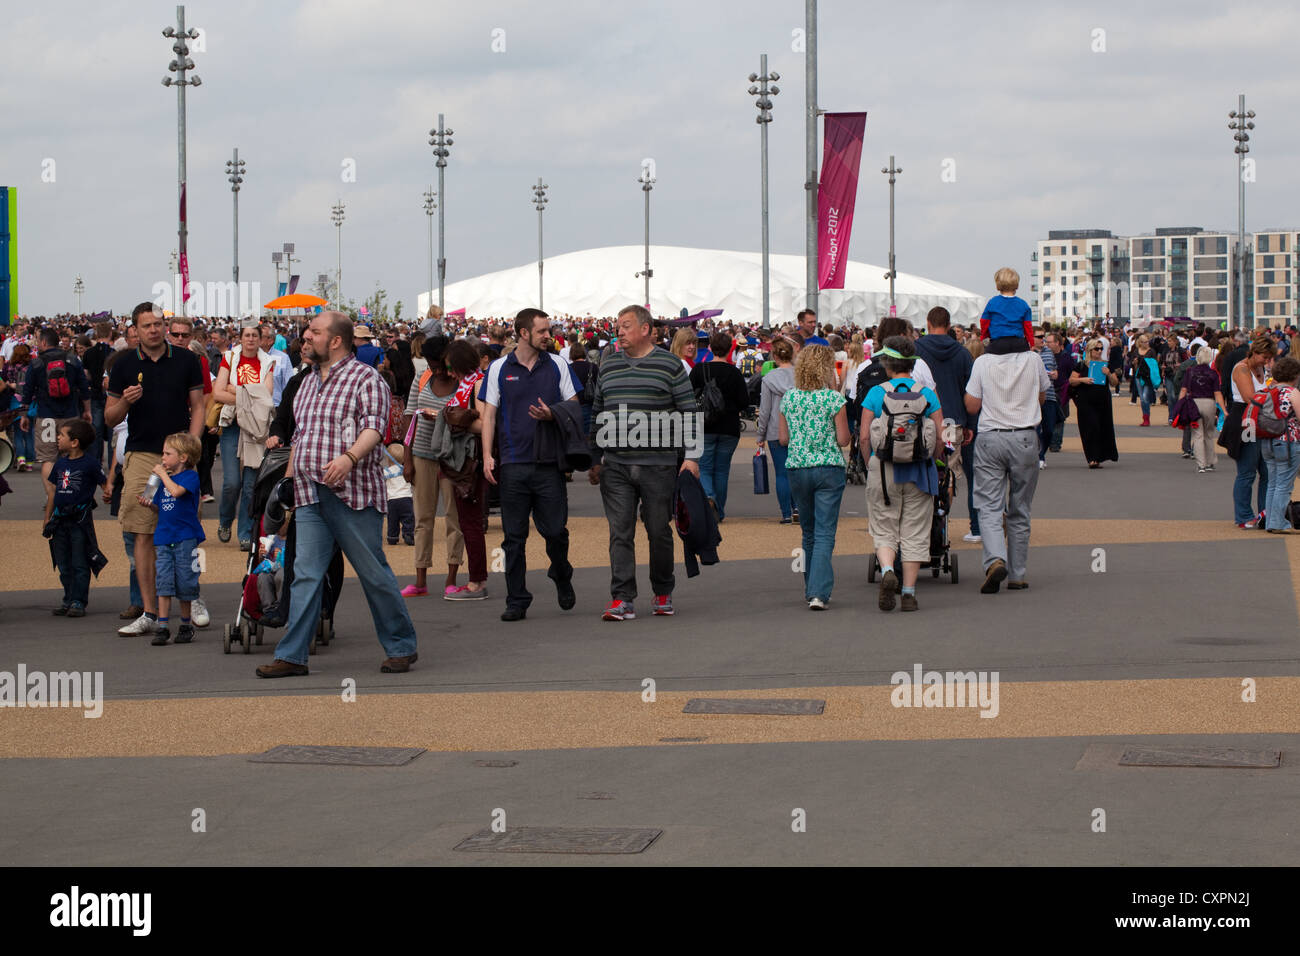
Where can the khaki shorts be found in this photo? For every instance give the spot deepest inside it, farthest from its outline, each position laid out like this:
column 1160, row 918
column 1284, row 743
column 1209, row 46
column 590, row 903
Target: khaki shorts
column 135, row 517
column 905, row 520
column 45, row 439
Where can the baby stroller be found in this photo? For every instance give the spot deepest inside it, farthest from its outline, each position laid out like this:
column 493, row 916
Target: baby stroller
column 942, row 560
column 749, row 414
column 271, row 493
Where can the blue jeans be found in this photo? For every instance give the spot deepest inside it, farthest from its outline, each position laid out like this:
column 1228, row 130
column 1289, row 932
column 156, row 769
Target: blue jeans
column 97, row 422
column 236, row 484
column 24, row 442
column 1281, row 461
column 177, row 569
column 1249, row 464
column 1146, row 396
column 715, row 468
column 1047, row 427
column 69, row 546
column 968, row 469
column 781, row 477
column 817, row 493
column 360, row 535
column 128, row 542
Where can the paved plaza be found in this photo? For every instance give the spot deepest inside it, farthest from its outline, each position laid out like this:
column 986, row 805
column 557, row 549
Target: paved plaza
column 548, row 722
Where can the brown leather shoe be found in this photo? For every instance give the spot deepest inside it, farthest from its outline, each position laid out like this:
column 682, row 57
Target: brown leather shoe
column 279, row 668
column 1017, row 585
column 398, row 665
column 131, row 613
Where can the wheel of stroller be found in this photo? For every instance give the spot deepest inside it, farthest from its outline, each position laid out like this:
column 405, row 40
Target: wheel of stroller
column 934, row 571
column 260, row 632
column 326, row 630
column 245, row 637
column 952, row 567
column 225, row 638
column 873, row 568
column 312, row 648
column 253, row 628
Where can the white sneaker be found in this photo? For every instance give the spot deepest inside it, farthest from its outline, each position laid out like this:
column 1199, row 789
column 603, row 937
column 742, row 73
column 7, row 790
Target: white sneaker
column 1042, row 465
column 816, row 604
column 199, row 613
column 141, row 625
column 971, row 537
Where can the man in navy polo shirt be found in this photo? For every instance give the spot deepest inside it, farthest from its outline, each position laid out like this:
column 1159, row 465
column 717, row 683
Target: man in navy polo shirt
column 516, row 394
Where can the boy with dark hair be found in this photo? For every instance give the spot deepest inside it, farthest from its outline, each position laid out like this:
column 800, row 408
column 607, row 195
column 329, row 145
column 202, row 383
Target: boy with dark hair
column 69, row 524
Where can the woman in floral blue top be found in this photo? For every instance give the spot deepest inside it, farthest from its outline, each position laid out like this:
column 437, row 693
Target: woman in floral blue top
column 814, row 426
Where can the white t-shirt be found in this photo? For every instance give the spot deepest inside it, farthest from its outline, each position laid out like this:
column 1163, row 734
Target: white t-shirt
column 1008, row 386
column 119, row 441
column 921, row 375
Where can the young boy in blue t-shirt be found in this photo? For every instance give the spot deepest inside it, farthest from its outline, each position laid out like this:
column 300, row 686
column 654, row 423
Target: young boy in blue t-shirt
column 178, row 534
column 68, row 521
column 1007, row 321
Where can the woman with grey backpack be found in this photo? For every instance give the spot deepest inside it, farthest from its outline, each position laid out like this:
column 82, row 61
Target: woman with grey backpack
column 903, row 421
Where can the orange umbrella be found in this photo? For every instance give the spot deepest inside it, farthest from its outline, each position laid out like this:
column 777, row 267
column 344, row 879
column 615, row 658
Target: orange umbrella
column 298, row 300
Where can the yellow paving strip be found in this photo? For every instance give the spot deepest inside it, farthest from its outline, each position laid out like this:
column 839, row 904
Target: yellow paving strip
column 566, row 720
column 743, row 539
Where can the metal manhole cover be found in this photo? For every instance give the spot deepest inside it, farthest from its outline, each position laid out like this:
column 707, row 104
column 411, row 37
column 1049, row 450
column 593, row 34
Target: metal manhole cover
column 730, row 705
column 597, row 795
column 496, row 763
column 1201, row 757
column 681, row 740
column 340, row 756
column 586, row 840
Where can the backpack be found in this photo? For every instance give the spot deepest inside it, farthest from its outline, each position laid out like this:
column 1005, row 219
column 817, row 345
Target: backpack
column 710, row 401
column 57, row 385
column 903, row 432
column 870, row 375
column 749, row 361
column 1264, row 414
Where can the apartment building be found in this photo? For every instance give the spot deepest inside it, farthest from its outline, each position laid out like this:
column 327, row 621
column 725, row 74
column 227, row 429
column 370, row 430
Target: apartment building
column 1173, row 272
column 1277, row 279
column 1079, row 272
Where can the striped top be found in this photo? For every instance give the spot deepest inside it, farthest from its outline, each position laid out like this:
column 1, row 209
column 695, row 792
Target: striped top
column 421, row 444
column 656, row 382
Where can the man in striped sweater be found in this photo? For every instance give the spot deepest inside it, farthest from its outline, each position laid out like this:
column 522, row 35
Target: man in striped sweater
column 644, row 429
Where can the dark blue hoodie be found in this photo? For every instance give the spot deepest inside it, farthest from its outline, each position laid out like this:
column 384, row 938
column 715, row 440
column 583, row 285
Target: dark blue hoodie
column 950, row 364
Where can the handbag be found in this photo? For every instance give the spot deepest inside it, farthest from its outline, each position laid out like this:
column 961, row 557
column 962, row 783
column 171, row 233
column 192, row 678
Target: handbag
column 761, row 486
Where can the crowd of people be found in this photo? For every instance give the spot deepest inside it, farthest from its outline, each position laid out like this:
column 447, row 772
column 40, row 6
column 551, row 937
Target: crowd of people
column 402, row 421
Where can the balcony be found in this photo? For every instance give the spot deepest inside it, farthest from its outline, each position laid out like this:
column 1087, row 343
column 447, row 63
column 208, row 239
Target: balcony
column 1034, row 257
column 1096, row 256
column 1033, row 272
column 1178, row 267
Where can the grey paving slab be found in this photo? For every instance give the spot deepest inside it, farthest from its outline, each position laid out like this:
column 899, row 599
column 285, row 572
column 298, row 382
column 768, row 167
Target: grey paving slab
column 989, row 802
column 1153, row 613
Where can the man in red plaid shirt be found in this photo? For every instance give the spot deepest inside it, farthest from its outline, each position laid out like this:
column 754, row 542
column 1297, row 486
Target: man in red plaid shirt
column 338, row 490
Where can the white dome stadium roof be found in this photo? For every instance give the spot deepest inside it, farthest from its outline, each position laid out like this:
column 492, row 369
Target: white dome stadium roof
column 599, row 282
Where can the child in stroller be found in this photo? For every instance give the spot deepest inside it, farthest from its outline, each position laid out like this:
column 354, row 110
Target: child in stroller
column 269, row 574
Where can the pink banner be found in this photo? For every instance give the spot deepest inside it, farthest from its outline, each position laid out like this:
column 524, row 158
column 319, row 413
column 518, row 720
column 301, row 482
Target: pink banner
column 836, row 195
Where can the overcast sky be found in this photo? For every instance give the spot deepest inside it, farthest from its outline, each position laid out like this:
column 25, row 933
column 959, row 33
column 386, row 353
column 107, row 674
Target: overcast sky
column 1044, row 132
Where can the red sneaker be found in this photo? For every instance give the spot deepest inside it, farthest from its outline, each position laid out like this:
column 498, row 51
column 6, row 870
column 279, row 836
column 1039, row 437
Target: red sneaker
column 619, row 611
column 663, row 606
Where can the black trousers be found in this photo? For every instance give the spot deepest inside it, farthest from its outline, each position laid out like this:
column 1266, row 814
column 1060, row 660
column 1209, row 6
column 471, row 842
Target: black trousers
column 537, row 490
